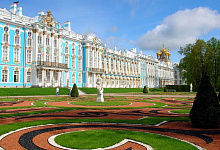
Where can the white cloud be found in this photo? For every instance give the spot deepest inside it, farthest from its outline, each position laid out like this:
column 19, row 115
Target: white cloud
column 181, row 28
column 113, row 29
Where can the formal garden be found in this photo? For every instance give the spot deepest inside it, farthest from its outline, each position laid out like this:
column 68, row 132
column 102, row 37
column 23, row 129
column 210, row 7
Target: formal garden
column 127, row 119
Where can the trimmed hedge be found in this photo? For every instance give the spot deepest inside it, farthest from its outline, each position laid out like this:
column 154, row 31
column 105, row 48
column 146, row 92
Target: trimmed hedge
column 179, row 88
column 74, row 92
column 206, row 109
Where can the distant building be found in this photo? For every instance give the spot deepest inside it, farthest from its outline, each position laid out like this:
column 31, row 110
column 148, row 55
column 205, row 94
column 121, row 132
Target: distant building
column 177, row 76
column 39, row 52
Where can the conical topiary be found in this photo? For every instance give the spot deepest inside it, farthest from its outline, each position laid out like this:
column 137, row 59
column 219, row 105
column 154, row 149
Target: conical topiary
column 145, row 90
column 205, row 110
column 74, row 92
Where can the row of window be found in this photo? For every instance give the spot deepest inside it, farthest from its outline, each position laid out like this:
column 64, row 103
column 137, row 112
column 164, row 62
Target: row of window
column 16, row 54
column 16, row 75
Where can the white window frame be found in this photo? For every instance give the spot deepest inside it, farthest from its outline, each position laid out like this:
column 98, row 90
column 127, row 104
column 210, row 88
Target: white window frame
column 73, row 78
column 28, row 76
column 73, row 63
column 4, row 76
column 39, row 39
column 29, row 42
column 5, row 53
column 16, row 77
column 47, row 41
column 79, row 64
column 17, row 40
column 5, row 37
column 16, row 55
column 29, row 56
column 80, row 78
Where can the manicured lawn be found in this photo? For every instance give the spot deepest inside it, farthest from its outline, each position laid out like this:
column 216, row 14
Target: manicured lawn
column 111, row 90
column 31, row 91
column 106, row 103
column 104, row 138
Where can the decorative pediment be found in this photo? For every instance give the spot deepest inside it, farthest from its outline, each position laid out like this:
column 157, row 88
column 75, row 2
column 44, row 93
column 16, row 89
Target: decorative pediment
column 48, row 19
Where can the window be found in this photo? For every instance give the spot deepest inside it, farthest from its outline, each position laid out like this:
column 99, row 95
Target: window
column 79, row 52
column 40, row 76
column 47, row 41
column 29, row 34
column 28, row 76
column 28, row 55
column 66, row 50
column 39, row 39
column 47, row 57
column 55, row 57
column 79, row 78
column 39, row 56
column 5, row 39
column 16, row 76
column 73, row 78
column 4, row 75
column 66, row 59
column 29, row 42
column 16, row 55
column 17, row 40
column 48, row 76
column 55, row 43
column 17, row 31
column 6, row 29
column 73, row 51
column 73, row 63
column 56, row 77
column 5, row 53
column 79, row 64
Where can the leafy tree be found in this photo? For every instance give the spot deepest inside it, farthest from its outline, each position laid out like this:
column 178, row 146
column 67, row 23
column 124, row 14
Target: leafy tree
column 199, row 58
column 74, row 92
column 145, row 90
column 205, row 110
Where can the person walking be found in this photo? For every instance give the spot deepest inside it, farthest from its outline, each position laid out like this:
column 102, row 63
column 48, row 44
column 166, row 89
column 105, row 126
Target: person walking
column 57, row 91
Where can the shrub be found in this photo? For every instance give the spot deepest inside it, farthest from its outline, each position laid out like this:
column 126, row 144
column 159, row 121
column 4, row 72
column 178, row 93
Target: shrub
column 74, row 92
column 165, row 89
column 145, row 90
column 205, row 110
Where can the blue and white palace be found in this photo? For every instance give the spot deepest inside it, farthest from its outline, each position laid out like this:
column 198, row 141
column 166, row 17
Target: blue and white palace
column 40, row 52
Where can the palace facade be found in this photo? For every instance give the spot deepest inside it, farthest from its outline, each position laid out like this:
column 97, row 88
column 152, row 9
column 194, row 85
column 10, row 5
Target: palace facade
column 39, row 52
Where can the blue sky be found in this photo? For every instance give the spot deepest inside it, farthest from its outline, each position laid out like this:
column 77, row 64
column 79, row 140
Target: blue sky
column 144, row 24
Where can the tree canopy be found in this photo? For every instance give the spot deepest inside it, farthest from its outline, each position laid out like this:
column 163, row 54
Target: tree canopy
column 199, row 58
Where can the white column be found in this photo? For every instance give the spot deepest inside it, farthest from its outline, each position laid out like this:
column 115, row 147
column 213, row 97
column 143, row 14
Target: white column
column 44, row 45
column 52, row 47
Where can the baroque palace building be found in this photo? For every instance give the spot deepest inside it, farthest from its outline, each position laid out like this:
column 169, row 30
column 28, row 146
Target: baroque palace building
column 39, row 52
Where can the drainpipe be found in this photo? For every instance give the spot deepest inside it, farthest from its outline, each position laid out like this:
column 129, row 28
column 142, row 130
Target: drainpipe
column 24, row 65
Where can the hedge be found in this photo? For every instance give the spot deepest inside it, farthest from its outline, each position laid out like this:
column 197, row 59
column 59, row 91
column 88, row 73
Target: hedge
column 179, row 88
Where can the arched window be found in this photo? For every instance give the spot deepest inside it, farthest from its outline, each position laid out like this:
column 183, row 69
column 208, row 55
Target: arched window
column 16, row 55
column 16, row 76
column 4, row 75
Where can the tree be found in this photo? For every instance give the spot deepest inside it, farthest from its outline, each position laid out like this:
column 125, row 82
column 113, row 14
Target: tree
column 145, row 90
column 205, row 110
column 198, row 59
column 74, row 92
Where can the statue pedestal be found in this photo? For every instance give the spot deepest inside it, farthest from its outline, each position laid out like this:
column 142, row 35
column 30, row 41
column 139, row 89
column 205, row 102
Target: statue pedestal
column 100, row 98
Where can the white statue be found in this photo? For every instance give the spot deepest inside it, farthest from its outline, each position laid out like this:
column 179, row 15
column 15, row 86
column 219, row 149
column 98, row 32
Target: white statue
column 99, row 90
column 191, row 87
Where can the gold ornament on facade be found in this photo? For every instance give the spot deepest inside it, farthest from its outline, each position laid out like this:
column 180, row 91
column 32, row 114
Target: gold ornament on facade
column 48, row 20
column 59, row 36
column 35, row 30
column 52, row 34
column 16, row 69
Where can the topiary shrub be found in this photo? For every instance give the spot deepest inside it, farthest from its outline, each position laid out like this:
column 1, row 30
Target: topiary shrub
column 205, row 110
column 165, row 89
column 145, row 90
column 74, row 92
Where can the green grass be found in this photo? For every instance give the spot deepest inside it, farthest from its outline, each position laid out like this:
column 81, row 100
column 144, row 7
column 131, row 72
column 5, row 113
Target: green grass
column 111, row 90
column 106, row 103
column 181, row 111
column 105, row 138
column 31, row 91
